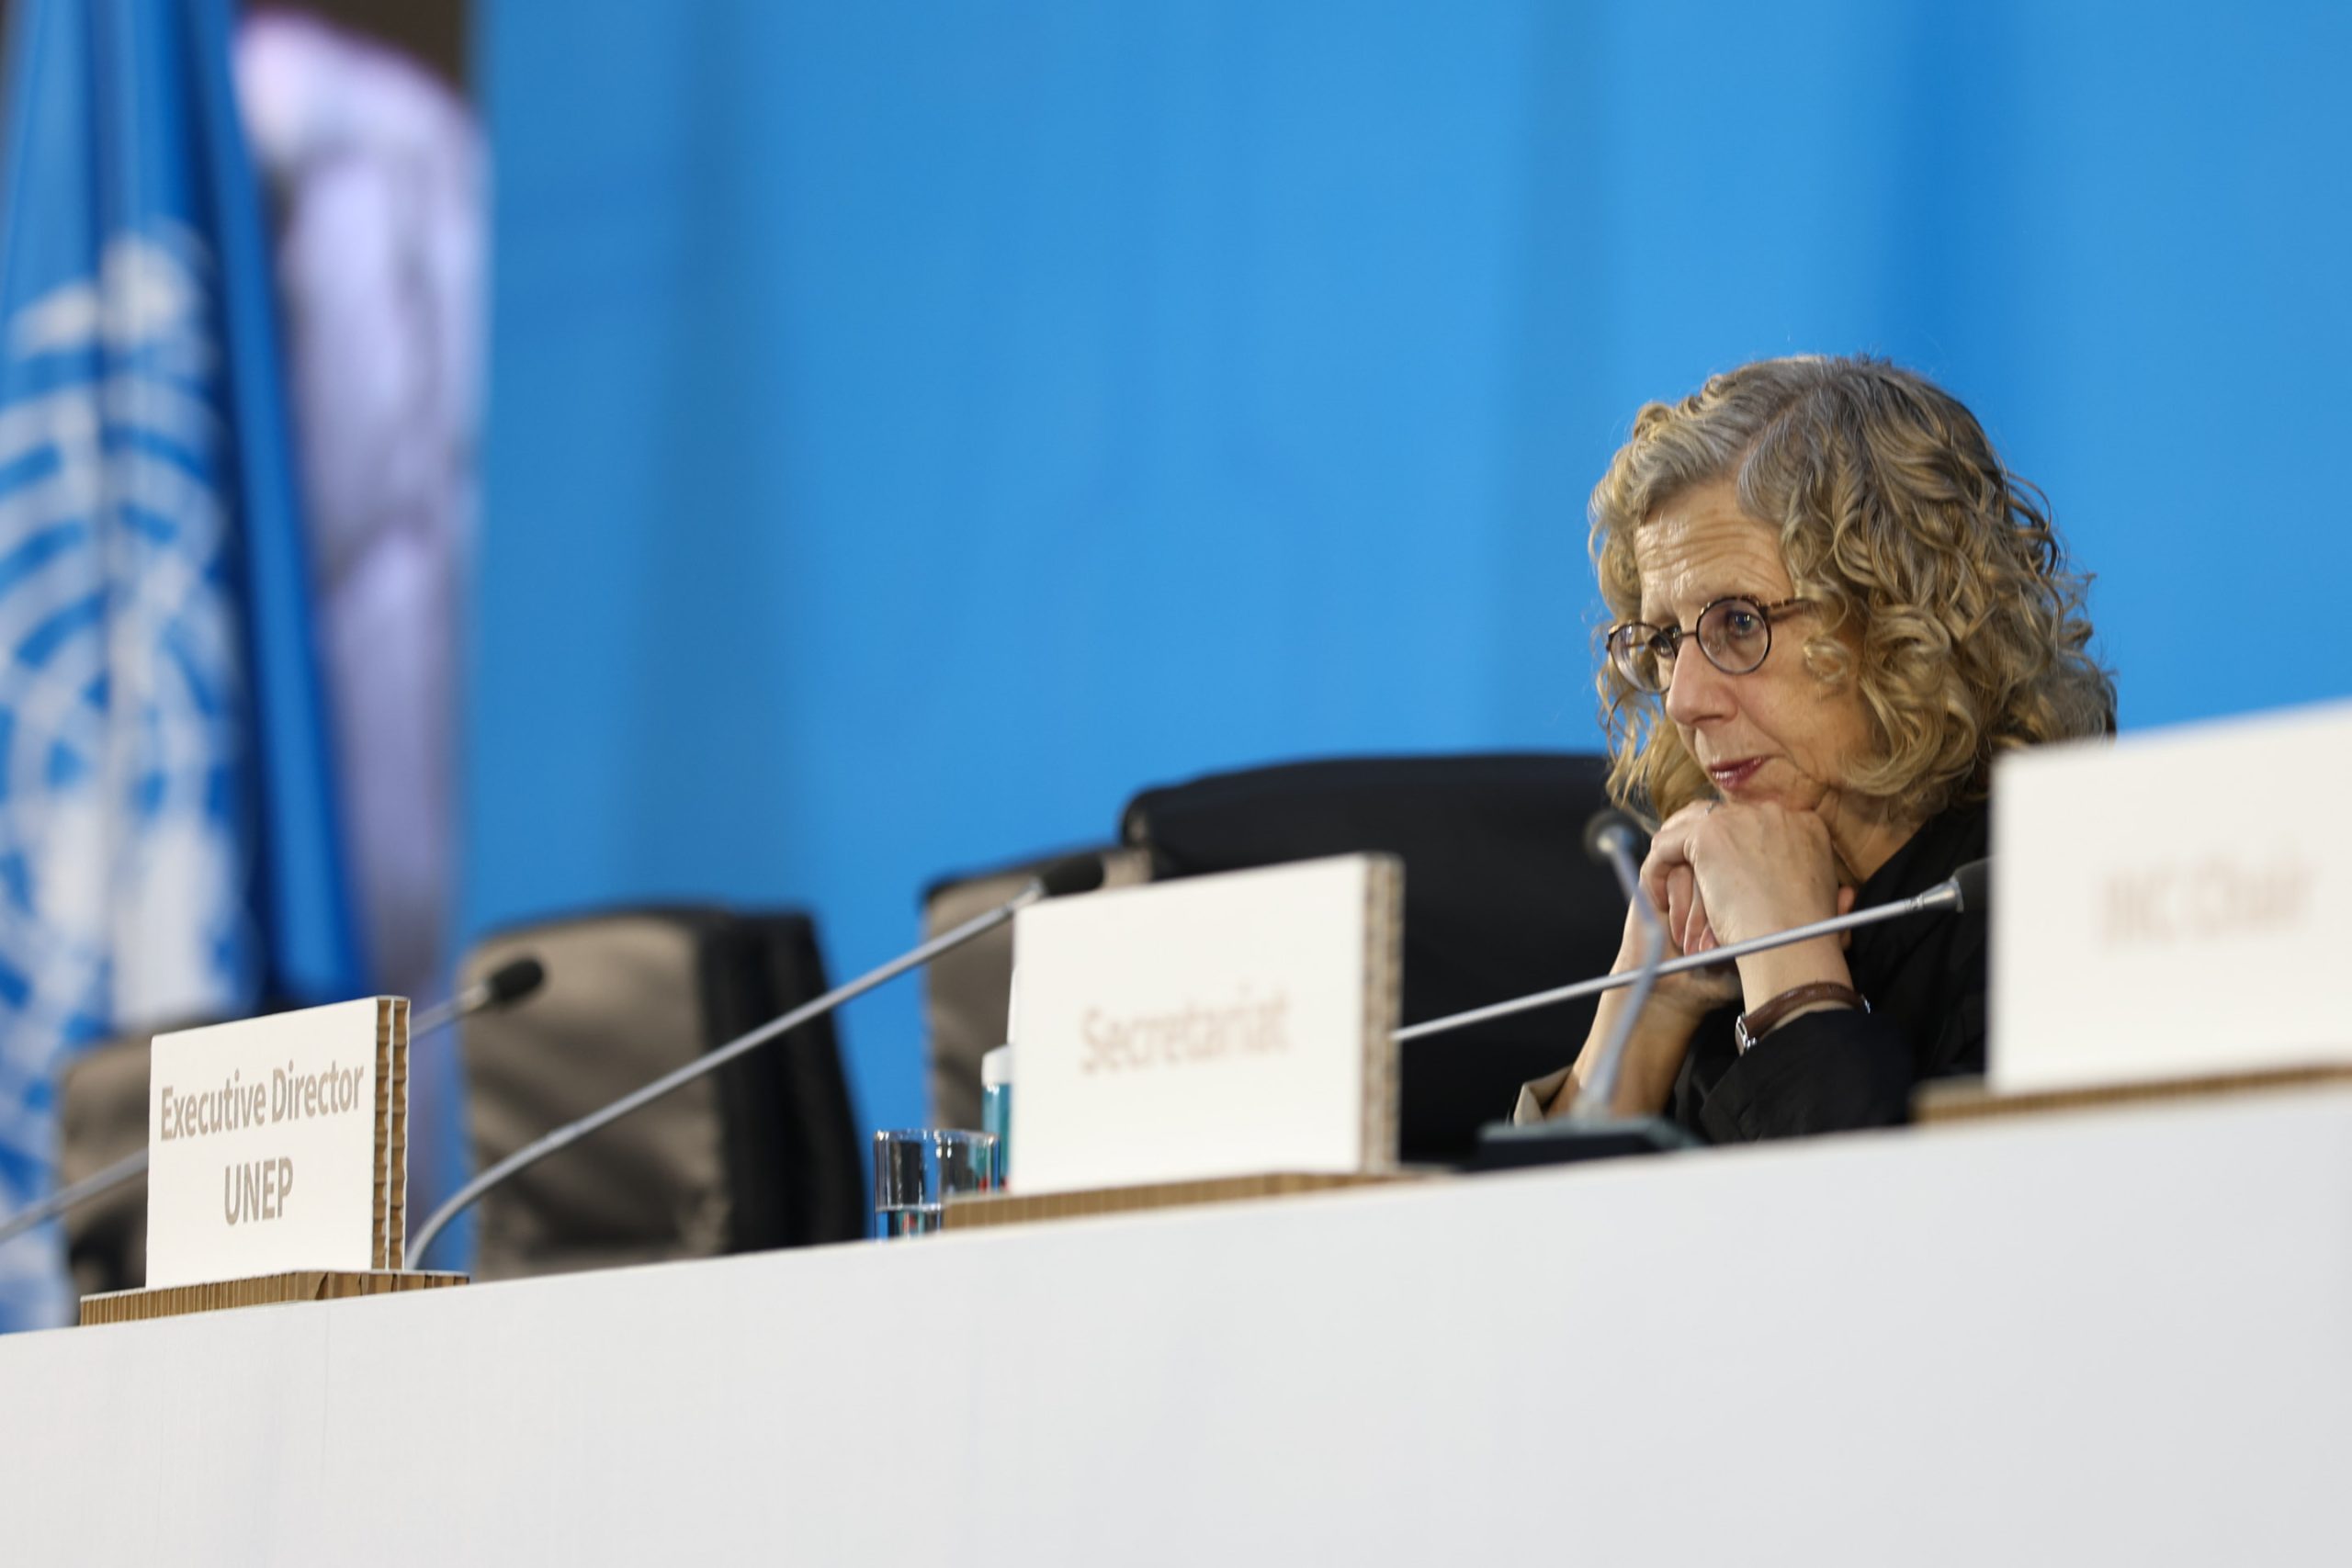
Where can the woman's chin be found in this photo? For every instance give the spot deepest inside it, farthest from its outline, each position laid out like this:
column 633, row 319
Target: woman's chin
column 1774, row 786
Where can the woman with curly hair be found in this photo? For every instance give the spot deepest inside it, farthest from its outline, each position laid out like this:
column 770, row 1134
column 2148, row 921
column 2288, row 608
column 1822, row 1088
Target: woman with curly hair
column 1834, row 607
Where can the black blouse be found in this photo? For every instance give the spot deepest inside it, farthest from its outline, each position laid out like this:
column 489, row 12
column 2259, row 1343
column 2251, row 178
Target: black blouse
column 1923, row 978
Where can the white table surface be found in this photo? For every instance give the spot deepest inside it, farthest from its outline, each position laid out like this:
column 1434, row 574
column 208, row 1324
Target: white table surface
column 2123, row 1338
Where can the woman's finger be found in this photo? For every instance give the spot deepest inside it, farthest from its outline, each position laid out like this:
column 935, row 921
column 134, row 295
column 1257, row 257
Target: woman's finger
column 1658, row 879
column 1679, row 887
column 1695, row 928
column 1669, row 847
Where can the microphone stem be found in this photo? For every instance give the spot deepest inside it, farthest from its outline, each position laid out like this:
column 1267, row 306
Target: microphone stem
column 128, row 1167
column 473, row 998
column 531, row 1153
column 1597, row 1101
column 1944, row 895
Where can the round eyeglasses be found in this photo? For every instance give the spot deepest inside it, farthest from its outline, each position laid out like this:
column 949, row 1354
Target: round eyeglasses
column 1736, row 633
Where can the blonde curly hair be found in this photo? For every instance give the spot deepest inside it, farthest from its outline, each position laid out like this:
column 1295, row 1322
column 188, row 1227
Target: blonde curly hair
column 1945, row 595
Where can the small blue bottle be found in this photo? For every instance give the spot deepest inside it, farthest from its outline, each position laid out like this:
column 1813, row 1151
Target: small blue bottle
column 996, row 1108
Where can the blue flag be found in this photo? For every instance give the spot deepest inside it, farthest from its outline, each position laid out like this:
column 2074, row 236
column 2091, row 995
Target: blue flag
column 168, row 849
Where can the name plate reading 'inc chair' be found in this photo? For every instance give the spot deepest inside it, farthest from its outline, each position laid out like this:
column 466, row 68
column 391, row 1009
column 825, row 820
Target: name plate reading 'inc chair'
column 2159, row 919
column 277, row 1164
column 1221, row 1026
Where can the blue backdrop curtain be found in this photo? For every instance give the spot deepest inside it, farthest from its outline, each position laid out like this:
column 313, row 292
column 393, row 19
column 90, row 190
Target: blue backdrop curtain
column 916, row 426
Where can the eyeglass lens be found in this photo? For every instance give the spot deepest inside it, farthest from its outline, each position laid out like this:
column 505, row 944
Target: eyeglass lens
column 1732, row 633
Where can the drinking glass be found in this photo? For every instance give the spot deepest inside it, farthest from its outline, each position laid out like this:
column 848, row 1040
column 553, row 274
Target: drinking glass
column 917, row 1168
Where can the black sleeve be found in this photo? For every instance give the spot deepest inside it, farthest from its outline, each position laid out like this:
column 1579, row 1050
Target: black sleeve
column 1824, row 1072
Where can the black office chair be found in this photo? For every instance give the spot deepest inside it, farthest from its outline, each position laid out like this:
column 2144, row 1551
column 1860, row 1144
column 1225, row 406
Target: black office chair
column 102, row 1117
column 1499, row 899
column 762, row 1153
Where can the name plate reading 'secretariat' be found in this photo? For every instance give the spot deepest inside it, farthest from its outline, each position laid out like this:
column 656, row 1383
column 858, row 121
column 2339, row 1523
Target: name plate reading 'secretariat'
column 2170, row 906
column 1212, row 1026
column 278, row 1144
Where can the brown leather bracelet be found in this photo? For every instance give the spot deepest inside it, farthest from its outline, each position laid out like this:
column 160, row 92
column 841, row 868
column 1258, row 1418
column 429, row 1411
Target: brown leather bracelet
column 1750, row 1027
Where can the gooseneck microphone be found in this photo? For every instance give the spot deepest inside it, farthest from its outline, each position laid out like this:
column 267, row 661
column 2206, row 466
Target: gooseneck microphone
column 1591, row 1129
column 1966, row 888
column 1610, row 838
column 1077, row 873
column 501, row 987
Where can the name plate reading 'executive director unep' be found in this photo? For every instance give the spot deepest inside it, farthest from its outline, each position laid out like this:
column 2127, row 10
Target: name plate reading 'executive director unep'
column 278, row 1144
column 1227, row 1025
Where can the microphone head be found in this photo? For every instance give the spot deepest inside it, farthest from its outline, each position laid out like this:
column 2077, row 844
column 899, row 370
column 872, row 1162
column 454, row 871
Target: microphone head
column 1975, row 881
column 512, row 981
column 1072, row 874
column 1606, row 824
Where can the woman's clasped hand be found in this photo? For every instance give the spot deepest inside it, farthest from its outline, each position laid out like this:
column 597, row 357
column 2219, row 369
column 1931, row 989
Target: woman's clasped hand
column 1728, row 872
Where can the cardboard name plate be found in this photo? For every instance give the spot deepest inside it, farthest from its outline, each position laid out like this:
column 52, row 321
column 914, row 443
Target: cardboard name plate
column 2158, row 915
column 278, row 1145
column 1215, row 1026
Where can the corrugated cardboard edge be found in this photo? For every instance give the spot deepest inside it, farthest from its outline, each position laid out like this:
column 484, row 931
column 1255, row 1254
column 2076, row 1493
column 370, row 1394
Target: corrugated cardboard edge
column 1968, row 1099
column 379, row 1247
column 396, row 1187
column 1383, row 990
column 1015, row 1208
column 302, row 1285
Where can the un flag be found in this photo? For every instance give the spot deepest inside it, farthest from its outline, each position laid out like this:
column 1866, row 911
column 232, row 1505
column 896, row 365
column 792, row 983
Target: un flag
column 167, row 844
